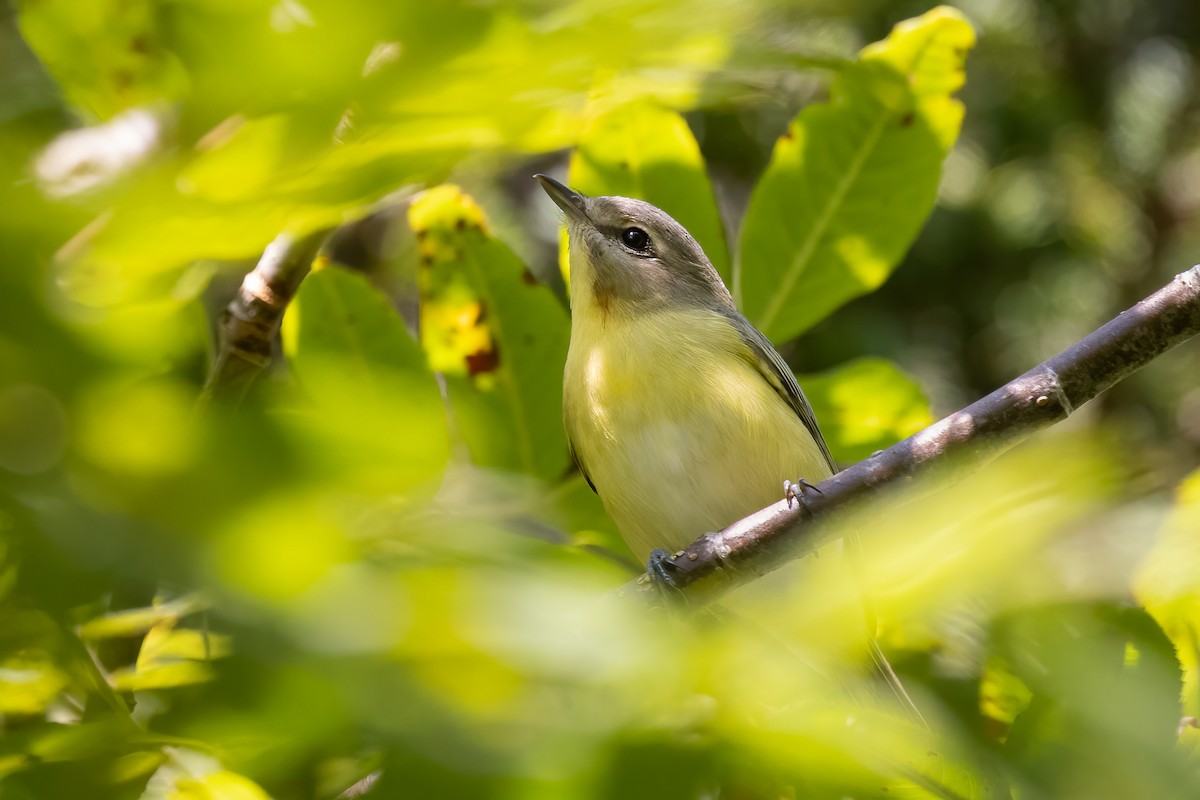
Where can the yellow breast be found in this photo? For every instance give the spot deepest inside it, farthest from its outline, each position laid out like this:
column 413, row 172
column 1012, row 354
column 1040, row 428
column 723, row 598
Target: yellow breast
column 677, row 428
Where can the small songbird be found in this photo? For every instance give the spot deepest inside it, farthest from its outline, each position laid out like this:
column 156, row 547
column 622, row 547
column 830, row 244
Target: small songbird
column 680, row 413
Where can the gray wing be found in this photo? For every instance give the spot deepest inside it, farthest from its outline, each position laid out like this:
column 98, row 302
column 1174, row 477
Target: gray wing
column 779, row 375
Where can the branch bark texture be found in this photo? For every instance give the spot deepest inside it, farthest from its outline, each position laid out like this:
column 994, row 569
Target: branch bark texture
column 246, row 336
column 1048, row 393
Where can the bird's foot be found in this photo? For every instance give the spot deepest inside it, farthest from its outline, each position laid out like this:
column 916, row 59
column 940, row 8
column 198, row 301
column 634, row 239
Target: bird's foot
column 795, row 490
column 661, row 569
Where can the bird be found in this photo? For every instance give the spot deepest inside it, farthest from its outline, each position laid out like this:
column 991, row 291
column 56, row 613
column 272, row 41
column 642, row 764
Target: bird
column 681, row 415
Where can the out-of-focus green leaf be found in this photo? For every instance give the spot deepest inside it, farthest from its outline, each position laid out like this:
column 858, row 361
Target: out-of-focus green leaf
column 1168, row 585
column 142, row 428
column 646, row 151
column 498, row 336
column 293, row 115
column 164, row 675
column 851, row 182
column 168, row 656
column 866, row 405
column 188, row 775
column 135, row 765
column 1087, row 693
column 573, row 508
column 171, row 657
column 223, row 785
column 135, row 621
column 1002, row 696
column 281, row 549
column 974, row 538
column 166, row 643
column 108, row 55
column 68, row 742
column 29, row 682
column 377, row 414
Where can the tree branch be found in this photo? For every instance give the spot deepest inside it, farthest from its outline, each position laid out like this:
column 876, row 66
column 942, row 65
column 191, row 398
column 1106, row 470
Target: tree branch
column 1048, row 393
column 246, row 336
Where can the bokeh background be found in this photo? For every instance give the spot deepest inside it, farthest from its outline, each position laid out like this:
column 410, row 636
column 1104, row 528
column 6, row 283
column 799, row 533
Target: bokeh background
column 279, row 594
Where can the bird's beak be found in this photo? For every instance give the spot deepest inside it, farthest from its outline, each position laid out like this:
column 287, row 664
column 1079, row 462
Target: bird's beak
column 570, row 201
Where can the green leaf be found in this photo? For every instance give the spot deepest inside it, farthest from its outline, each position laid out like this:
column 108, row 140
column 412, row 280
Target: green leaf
column 58, row 742
column 108, row 55
column 646, row 151
column 498, row 336
column 376, row 414
column 865, row 405
column 29, row 682
column 161, row 675
column 136, row 621
column 851, row 182
column 1002, row 695
column 309, row 112
column 1168, row 585
column 223, row 785
column 164, row 643
column 192, row 775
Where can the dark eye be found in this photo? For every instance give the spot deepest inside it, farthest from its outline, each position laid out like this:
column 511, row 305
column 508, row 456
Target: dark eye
column 635, row 238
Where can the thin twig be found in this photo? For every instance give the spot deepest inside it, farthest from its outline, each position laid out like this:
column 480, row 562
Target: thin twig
column 246, row 336
column 363, row 787
column 1046, row 394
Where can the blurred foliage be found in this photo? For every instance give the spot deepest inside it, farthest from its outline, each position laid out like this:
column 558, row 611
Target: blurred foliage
column 381, row 558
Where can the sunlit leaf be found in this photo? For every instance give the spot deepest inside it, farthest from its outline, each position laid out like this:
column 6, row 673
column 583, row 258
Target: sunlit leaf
column 1168, row 584
column 132, row 622
column 189, row 775
column 166, row 643
column 222, row 785
column 851, row 182
column 866, row 405
column 1002, row 697
column 646, row 151
column 165, row 675
column 143, row 428
column 28, row 683
column 498, row 336
column 281, row 549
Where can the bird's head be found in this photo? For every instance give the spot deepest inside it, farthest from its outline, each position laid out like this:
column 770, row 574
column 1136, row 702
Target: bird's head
column 628, row 256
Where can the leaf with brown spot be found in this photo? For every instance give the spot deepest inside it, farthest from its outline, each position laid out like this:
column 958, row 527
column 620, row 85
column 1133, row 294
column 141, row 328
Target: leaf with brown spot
column 483, row 361
column 497, row 335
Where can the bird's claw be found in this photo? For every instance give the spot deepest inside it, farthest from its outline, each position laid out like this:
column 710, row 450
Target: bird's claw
column 661, row 569
column 794, row 490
